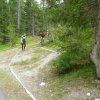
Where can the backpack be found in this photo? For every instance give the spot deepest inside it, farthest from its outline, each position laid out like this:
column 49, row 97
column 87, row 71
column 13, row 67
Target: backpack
column 23, row 40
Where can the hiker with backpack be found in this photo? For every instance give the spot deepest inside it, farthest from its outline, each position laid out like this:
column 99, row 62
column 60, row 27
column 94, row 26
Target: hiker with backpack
column 23, row 42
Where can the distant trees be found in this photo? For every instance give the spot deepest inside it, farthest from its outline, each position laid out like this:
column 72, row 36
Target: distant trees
column 30, row 17
column 18, row 17
column 4, row 21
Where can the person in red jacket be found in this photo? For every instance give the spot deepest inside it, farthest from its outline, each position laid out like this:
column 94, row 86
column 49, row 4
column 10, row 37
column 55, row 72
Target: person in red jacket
column 42, row 35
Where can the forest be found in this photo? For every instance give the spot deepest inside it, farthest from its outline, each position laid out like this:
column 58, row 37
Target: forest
column 72, row 30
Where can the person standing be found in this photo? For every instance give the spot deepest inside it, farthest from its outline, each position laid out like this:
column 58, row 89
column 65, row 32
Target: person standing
column 23, row 42
column 42, row 35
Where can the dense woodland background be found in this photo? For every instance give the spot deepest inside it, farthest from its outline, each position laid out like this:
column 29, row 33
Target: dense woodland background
column 73, row 24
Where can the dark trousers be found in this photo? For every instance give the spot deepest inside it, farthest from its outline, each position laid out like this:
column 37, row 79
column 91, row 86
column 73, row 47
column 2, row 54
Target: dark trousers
column 23, row 46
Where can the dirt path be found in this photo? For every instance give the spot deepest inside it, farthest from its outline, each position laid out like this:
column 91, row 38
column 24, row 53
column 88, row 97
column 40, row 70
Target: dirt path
column 31, row 79
column 15, row 56
column 37, row 79
column 3, row 96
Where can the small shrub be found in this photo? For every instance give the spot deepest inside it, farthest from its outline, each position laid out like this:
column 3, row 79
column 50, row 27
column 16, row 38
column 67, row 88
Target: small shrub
column 62, row 63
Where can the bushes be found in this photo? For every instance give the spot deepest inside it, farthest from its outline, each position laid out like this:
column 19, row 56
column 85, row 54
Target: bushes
column 62, row 63
column 7, row 36
column 11, row 35
column 76, row 46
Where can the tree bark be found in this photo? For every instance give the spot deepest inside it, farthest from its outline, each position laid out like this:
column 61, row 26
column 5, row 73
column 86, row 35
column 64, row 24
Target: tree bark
column 18, row 18
column 43, row 23
column 33, row 24
column 96, row 50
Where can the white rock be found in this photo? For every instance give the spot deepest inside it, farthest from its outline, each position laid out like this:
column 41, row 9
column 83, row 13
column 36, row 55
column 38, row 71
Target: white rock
column 51, row 95
column 50, row 90
column 88, row 94
column 42, row 84
column 97, row 99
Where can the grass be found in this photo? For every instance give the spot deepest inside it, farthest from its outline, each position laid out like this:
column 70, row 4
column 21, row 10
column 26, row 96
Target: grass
column 24, row 63
column 4, row 47
column 30, row 41
column 12, row 89
column 41, row 51
column 84, row 77
column 51, row 45
column 85, row 72
column 29, row 64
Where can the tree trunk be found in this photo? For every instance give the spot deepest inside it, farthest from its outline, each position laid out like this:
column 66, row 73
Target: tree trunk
column 96, row 50
column 50, row 34
column 43, row 23
column 18, row 18
column 33, row 24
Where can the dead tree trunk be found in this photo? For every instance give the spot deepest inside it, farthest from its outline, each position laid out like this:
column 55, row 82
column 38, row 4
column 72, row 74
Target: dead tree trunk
column 96, row 50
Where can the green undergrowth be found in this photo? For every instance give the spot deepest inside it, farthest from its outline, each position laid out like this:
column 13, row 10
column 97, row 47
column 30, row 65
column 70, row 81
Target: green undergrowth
column 41, row 51
column 11, row 87
column 83, row 77
column 4, row 47
column 30, row 42
column 51, row 45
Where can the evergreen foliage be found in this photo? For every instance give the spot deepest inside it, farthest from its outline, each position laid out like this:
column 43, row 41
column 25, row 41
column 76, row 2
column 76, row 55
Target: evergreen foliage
column 75, row 27
column 30, row 19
